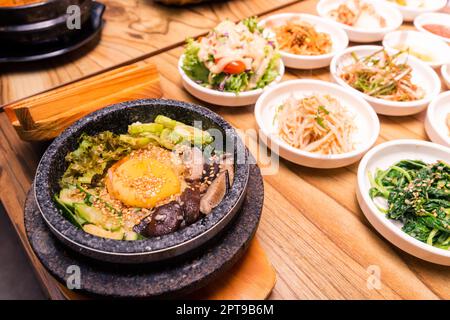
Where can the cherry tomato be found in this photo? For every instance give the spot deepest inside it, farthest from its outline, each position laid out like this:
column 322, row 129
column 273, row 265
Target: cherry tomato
column 234, row 67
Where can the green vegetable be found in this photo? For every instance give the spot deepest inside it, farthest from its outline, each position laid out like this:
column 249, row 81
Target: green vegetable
column 137, row 128
column 418, row 194
column 237, row 82
column 192, row 66
column 68, row 196
column 68, row 214
column 88, row 213
column 168, row 139
column 252, row 24
column 92, row 157
column 138, row 142
column 194, row 135
column 271, row 72
column 166, row 122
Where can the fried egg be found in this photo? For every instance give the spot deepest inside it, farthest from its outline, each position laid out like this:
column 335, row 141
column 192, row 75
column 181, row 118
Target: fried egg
column 146, row 178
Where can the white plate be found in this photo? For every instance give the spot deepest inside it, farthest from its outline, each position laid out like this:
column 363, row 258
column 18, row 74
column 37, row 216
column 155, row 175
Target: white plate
column 391, row 14
column 432, row 18
column 337, row 34
column 422, row 75
column 445, row 72
column 383, row 156
column 366, row 120
column 412, row 11
column 227, row 99
column 436, row 120
column 437, row 50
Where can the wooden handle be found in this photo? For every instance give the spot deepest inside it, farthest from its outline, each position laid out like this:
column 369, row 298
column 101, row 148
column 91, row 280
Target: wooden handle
column 46, row 115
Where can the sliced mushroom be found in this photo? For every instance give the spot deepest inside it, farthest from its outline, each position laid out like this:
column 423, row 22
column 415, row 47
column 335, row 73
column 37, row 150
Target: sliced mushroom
column 227, row 164
column 190, row 199
column 215, row 193
column 165, row 219
column 193, row 159
column 140, row 227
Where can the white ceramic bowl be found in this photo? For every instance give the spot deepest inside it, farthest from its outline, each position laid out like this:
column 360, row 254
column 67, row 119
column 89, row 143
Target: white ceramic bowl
column 337, row 34
column 420, row 43
column 391, row 14
column 422, row 75
column 436, row 119
column 366, row 120
column 412, row 11
column 445, row 72
column 383, row 156
column 227, row 99
column 432, row 18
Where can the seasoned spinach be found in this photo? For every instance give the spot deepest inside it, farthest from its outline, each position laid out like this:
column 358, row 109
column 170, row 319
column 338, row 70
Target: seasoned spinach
column 418, row 194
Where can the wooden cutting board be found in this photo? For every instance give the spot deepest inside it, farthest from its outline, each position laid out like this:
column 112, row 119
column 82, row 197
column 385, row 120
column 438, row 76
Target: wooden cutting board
column 46, row 115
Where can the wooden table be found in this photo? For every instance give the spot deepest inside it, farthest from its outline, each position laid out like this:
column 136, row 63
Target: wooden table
column 312, row 229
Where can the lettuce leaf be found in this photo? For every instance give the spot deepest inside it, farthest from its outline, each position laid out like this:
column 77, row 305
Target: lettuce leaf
column 252, row 24
column 271, row 72
column 192, row 66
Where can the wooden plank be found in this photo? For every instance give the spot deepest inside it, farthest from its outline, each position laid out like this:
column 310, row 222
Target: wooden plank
column 133, row 30
column 319, row 252
column 44, row 116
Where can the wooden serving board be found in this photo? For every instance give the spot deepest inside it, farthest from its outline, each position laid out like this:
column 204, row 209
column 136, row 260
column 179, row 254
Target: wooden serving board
column 252, row 278
column 46, row 115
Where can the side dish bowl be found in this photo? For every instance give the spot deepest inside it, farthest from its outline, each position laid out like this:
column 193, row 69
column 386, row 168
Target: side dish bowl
column 116, row 118
column 227, row 99
column 432, row 18
column 445, row 72
column 430, row 50
column 391, row 14
column 411, row 12
column 383, row 156
column 366, row 120
column 436, row 122
column 422, row 76
column 337, row 35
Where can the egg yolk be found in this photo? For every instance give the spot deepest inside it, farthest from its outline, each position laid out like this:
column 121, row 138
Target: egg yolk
column 142, row 182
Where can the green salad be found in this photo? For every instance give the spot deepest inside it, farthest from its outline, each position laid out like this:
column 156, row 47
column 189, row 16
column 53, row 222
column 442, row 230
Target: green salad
column 232, row 57
column 418, row 195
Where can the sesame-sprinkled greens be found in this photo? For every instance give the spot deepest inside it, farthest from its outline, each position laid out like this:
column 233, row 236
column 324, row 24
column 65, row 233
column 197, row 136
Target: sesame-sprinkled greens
column 418, row 195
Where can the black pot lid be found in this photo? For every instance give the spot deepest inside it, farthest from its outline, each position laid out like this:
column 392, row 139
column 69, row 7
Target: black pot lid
column 89, row 35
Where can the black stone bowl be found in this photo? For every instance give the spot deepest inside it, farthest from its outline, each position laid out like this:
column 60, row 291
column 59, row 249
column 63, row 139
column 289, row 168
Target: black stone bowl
column 39, row 11
column 116, row 118
column 48, row 30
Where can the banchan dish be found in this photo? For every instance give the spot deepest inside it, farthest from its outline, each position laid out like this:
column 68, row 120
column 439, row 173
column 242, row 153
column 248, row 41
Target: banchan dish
column 116, row 119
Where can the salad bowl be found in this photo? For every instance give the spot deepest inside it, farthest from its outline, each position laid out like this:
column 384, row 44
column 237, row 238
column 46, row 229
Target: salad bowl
column 422, row 75
column 382, row 157
column 226, row 99
column 232, row 64
column 337, row 35
column 116, row 119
